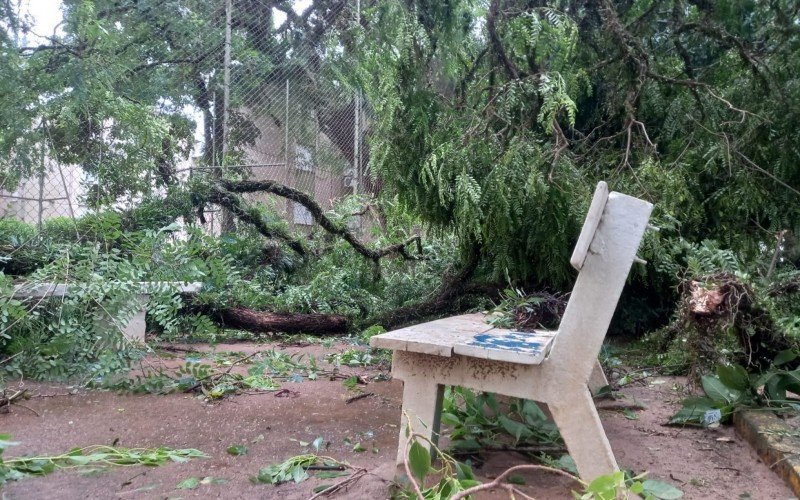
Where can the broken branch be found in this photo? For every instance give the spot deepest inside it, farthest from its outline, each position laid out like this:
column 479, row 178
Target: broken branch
column 318, row 214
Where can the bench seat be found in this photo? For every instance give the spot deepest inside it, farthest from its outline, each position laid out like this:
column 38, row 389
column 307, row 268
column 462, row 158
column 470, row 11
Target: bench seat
column 469, row 335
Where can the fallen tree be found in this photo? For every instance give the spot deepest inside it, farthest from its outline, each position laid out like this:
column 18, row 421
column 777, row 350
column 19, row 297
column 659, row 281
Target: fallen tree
column 270, row 322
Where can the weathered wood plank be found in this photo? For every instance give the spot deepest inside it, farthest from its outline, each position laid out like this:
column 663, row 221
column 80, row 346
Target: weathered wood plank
column 526, row 348
column 434, row 337
column 468, row 335
column 39, row 290
column 590, row 225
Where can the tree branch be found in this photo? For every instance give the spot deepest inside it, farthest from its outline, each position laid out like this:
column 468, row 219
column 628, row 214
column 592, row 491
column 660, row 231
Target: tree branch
column 220, row 196
column 318, row 214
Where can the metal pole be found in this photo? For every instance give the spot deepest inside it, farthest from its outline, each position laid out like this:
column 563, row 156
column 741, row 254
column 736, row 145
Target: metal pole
column 227, row 79
column 66, row 191
column 286, row 128
column 357, row 124
column 226, row 217
column 41, row 193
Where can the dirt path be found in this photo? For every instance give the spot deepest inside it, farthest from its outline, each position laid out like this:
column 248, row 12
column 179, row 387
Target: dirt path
column 703, row 463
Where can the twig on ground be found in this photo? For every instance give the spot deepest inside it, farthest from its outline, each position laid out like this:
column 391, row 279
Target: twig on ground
column 498, row 481
column 28, row 408
column 358, row 396
column 355, row 476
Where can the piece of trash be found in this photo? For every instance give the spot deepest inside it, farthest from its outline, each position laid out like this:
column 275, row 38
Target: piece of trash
column 712, row 417
column 725, row 439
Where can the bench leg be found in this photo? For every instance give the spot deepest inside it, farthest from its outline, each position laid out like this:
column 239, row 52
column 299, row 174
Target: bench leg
column 422, row 403
column 584, row 436
column 597, row 380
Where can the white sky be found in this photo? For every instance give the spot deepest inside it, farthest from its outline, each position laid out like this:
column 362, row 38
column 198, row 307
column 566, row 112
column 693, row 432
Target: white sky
column 47, row 14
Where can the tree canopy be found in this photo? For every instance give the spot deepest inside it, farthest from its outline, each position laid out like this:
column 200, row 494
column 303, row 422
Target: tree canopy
column 489, row 119
column 496, row 118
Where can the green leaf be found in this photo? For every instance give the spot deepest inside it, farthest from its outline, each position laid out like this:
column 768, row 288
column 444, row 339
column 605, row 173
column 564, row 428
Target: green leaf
column 603, row 486
column 734, row 377
column 464, row 471
column 188, row 484
column 716, row 390
column 330, row 474
column 567, row 463
column 237, row 450
column 661, row 490
column 79, row 459
column 636, row 488
column 450, row 419
column 784, row 357
column 358, row 448
column 692, row 411
column 321, row 488
column 299, row 474
column 630, row 414
column 516, row 429
column 419, row 460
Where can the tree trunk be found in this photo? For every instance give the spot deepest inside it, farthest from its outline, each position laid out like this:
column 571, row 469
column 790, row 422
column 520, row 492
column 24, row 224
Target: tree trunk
column 268, row 322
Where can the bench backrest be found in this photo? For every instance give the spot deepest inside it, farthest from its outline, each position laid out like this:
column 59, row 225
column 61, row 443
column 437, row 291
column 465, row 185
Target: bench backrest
column 603, row 255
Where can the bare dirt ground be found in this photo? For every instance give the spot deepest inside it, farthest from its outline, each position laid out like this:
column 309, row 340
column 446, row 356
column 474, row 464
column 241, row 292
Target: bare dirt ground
column 703, row 463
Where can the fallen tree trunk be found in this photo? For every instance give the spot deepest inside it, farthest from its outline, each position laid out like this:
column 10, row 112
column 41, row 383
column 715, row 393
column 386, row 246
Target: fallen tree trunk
column 269, row 322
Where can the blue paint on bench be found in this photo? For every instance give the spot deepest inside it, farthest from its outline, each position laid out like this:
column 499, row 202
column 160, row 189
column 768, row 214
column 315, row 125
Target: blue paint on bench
column 522, row 342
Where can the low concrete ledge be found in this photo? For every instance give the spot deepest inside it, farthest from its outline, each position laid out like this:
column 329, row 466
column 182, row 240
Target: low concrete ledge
column 134, row 330
column 38, row 290
column 776, row 443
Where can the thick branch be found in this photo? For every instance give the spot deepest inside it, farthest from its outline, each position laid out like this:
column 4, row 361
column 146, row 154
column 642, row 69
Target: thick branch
column 222, row 197
column 497, row 44
column 320, row 218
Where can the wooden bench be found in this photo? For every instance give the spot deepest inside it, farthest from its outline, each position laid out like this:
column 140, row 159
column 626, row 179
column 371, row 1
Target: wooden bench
column 557, row 368
column 134, row 329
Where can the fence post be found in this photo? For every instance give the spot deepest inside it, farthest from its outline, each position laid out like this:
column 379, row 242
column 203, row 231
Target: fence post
column 41, row 194
column 226, row 220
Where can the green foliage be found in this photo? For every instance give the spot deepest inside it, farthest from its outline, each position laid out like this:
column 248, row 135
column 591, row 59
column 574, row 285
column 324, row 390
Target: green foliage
column 237, row 450
column 456, row 477
column 90, row 456
column 733, row 388
column 15, row 233
column 294, row 469
column 620, row 485
column 479, row 420
column 495, row 123
column 359, row 357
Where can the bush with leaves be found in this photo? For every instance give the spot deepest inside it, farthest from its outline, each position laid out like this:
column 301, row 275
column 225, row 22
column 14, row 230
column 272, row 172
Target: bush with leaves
column 732, row 388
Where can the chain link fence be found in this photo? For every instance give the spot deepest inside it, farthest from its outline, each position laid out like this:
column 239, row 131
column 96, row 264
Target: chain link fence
column 261, row 94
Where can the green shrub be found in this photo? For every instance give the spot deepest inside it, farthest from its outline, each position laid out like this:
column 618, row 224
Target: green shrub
column 15, row 233
column 60, row 230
